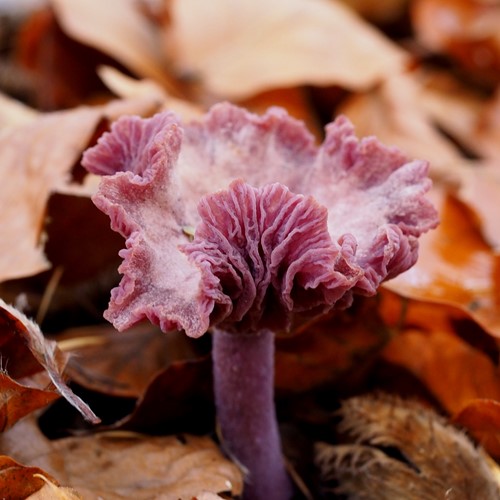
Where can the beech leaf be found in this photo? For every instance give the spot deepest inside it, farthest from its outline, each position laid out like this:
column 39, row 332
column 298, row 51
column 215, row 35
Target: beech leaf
column 117, row 28
column 15, row 327
column 17, row 400
column 455, row 266
column 19, row 481
column 117, row 465
column 30, row 174
column 240, row 49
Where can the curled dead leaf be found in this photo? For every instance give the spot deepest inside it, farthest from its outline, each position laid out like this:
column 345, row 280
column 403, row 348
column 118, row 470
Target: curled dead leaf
column 18, row 332
column 19, row 481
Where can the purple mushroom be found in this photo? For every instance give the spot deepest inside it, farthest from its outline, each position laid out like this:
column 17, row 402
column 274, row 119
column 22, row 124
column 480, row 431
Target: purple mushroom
column 235, row 223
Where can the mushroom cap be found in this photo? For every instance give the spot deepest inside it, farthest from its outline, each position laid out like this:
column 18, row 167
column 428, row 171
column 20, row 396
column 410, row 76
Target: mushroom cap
column 240, row 220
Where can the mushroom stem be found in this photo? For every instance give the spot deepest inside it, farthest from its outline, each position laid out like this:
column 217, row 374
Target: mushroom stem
column 244, row 397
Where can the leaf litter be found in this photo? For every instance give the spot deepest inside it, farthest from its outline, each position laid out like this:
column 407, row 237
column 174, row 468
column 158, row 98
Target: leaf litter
column 430, row 335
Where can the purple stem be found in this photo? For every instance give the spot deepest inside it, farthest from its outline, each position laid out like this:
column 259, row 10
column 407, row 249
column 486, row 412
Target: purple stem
column 244, row 398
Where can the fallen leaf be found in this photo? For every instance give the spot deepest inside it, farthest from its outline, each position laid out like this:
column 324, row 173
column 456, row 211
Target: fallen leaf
column 60, row 71
column 393, row 112
column 18, row 481
column 14, row 113
column 453, row 371
column 455, row 266
column 119, row 465
column 330, row 349
column 179, row 397
column 466, row 30
column 127, row 87
column 30, row 174
column 400, row 449
column 240, row 49
column 117, row 28
column 18, row 400
column 121, row 364
column 18, row 332
column 481, row 417
column 53, row 492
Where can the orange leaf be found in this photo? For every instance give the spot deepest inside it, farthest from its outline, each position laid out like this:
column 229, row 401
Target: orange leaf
column 18, row 481
column 482, row 418
column 453, row 371
column 456, row 266
column 17, row 401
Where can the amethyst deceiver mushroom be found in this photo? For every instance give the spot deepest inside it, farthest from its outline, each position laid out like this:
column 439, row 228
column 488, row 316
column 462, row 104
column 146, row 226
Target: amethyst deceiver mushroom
column 236, row 222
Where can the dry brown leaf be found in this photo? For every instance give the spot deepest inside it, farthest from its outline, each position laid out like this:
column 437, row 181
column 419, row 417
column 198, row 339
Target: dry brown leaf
column 35, row 159
column 117, row 28
column 237, row 49
column 455, row 266
column 467, row 30
column 108, row 362
column 330, row 349
column 17, row 481
column 118, row 466
column 18, row 400
column 17, row 330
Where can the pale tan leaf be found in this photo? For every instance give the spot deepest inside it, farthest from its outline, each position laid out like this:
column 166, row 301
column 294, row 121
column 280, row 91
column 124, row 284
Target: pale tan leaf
column 36, row 159
column 404, row 112
column 52, row 492
column 238, row 49
column 14, row 113
column 127, row 87
column 117, row 28
column 120, row 465
column 393, row 112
